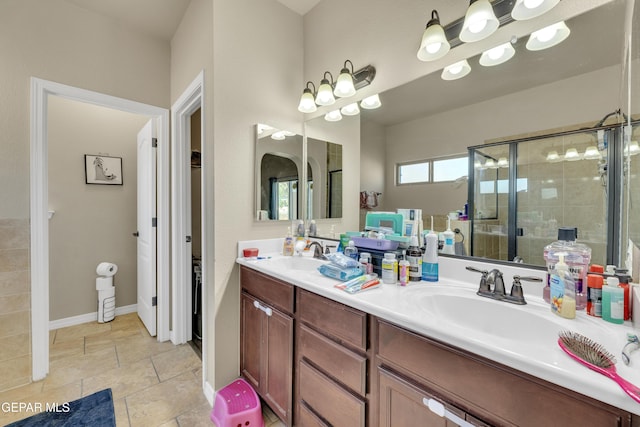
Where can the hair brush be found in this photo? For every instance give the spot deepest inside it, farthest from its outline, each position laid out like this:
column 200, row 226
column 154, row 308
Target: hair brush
column 595, row 357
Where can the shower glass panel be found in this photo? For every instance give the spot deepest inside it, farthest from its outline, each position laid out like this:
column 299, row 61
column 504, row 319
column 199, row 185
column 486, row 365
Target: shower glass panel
column 491, row 202
column 631, row 199
column 562, row 182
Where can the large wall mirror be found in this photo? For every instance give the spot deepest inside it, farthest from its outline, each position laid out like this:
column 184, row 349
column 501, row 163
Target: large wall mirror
column 569, row 86
column 278, row 165
column 324, row 179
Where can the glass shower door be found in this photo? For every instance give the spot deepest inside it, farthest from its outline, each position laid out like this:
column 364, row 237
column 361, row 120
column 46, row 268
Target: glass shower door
column 562, row 181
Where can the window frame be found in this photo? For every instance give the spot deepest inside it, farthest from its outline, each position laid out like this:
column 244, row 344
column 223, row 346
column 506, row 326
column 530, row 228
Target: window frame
column 430, row 161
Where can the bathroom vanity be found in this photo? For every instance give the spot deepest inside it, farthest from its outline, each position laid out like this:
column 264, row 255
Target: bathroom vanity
column 324, row 357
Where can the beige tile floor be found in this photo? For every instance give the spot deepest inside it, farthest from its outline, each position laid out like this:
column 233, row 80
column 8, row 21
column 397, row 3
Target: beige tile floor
column 153, row 384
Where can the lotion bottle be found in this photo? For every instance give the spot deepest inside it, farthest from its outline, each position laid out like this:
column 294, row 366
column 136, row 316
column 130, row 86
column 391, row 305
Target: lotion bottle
column 563, row 290
column 430, row 256
column 287, row 246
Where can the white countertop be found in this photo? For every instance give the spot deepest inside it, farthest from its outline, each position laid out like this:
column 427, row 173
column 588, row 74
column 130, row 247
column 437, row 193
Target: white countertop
column 506, row 341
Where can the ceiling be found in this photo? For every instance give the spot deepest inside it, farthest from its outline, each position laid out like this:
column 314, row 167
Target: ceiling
column 157, row 18
column 300, row 6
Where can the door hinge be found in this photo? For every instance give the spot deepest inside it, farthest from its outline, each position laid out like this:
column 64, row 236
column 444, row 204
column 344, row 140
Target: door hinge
column 154, row 301
column 154, row 222
column 188, row 239
column 154, row 142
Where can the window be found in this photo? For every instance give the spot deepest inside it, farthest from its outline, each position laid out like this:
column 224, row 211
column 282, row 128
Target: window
column 433, row 170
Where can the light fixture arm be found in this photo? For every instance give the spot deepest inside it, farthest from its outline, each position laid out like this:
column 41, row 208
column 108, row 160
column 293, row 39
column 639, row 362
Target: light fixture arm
column 435, row 19
column 324, row 77
column 345, row 69
column 314, row 87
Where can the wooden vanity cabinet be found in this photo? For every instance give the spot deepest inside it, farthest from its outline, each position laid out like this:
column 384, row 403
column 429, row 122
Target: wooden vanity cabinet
column 267, row 338
column 331, row 363
column 411, row 367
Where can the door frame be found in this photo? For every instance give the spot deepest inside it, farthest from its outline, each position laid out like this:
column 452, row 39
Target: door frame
column 39, row 199
column 181, row 111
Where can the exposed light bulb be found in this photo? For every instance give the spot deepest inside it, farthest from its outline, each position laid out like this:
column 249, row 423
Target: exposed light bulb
column 532, row 4
column 546, row 34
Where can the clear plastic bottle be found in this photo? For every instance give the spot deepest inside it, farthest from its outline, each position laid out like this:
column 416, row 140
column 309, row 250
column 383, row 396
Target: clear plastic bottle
column 368, row 264
column 577, row 258
column 351, row 250
column 613, row 301
column 430, row 257
column 404, row 270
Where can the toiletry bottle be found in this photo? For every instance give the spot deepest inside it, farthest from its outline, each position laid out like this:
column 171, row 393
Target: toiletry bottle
column 300, row 229
column 351, row 250
column 449, row 239
column 389, row 269
column 369, row 265
column 430, row 257
column 594, row 295
column 414, row 257
column 624, row 279
column 613, row 301
column 563, row 290
column 313, row 228
column 287, row 246
column 404, row 268
column 364, row 262
column 577, row 258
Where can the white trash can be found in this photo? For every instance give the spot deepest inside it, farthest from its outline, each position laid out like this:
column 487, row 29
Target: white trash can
column 106, row 291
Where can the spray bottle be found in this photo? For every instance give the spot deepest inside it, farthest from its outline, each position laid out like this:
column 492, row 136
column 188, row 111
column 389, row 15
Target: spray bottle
column 430, row 256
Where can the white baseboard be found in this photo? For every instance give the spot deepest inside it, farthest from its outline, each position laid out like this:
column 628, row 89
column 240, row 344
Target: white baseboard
column 89, row 317
column 209, row 392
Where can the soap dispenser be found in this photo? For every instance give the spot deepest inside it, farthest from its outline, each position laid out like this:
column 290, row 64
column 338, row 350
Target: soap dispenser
column 613, row 301
column 563, row 290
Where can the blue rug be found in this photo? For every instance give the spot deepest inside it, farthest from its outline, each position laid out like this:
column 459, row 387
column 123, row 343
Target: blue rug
column 95, row 410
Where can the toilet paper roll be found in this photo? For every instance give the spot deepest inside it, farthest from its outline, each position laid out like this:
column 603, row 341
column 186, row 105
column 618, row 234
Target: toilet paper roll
column 103, row 283
column 107, row 269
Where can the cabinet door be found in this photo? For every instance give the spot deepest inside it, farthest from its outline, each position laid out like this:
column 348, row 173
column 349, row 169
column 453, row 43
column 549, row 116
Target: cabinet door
column 250, row 340
column 401, row 404
column 278, row 352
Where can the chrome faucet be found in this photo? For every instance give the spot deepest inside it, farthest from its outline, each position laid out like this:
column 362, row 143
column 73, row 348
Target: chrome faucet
column 318, row 251
column 494, row 279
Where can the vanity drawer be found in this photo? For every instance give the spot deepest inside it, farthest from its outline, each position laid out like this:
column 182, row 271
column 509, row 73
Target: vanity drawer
column 337, row 361
column 337, row 320
column 308, row 418
column 333, row 403
column 491, row 391
column 274, row 292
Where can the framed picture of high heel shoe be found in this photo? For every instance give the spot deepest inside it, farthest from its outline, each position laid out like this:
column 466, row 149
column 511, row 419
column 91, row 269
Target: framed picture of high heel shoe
column 104, row 170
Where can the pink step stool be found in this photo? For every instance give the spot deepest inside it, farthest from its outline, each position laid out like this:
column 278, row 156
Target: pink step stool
column 237, row 405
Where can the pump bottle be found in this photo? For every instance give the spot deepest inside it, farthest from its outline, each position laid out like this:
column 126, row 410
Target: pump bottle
column 430, row 256
column 449, row 240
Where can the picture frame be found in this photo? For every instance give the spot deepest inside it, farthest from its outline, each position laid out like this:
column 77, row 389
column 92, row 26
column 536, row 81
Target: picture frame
column 102, row 170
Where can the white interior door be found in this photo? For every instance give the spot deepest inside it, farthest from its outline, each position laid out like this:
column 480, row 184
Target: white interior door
column 147, row 292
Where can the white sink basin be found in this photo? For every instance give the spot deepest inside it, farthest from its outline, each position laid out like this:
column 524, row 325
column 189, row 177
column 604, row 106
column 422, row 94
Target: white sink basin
column 292, row 263
column 497, row 318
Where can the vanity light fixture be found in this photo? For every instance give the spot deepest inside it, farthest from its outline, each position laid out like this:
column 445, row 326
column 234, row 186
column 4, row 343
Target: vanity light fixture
column 497, row 55
column 553, row 157
column 479, row 22
column 371, row 102
column 434, row 44
column 344, row 84
column 350, row 110
column 325, row 91
column 278, row 135
column 592, row 153
column 571, row 155
column 503, row 162
column 490, row 164
column 548, row 36
column 347, row 84
column 456, row 71
column 307, row 100
column 528, row 9
column 333, row 116
column 632, row 149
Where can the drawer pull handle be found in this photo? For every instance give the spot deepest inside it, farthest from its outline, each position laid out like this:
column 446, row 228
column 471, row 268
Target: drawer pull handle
column 259, row 306
column 439, row 409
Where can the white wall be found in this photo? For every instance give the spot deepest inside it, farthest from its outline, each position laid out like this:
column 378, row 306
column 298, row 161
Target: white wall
column 92, row 223
column 251, row 52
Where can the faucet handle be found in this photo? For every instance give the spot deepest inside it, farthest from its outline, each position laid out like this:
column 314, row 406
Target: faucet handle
column 484, row 286
column 516, row 296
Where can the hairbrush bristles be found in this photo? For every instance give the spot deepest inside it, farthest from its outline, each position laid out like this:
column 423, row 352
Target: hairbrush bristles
column 587, row 349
